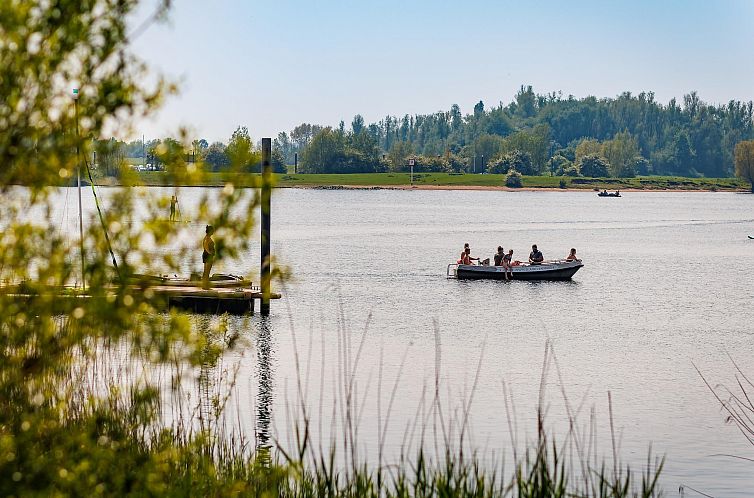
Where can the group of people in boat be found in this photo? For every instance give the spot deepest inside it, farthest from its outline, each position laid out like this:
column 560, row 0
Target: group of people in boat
column 505, row 259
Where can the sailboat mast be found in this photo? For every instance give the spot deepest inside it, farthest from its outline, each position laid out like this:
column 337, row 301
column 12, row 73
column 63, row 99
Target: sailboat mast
column 78, row 185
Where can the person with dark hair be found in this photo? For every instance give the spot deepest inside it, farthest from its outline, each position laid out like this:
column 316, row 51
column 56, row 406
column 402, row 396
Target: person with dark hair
column 572, row 255
column 208, row 254
column 536, row 256
column 499, row 255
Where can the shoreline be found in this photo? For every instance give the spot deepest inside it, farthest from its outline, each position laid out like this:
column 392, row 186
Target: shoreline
column 441, row 181
column 493, row 188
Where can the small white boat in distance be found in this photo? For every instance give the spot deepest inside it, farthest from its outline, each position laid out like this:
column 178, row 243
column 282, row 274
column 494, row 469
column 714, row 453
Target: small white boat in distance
column 560, row 269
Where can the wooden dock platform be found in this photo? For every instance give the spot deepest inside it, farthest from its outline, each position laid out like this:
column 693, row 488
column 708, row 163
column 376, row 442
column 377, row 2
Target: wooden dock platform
column 196, row 299
column 213, row 300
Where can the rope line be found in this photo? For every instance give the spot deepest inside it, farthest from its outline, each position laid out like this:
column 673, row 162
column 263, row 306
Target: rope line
column 102, row 220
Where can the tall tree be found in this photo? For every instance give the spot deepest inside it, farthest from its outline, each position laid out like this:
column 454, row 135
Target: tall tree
column 526, row 102
column 744, row 154
column 216, row 157
column 240, row 150
column 621, row 152
column 111, row 156
column 357, row 125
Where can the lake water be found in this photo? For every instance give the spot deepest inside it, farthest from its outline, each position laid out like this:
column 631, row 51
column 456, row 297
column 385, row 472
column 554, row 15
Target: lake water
column 666, row 287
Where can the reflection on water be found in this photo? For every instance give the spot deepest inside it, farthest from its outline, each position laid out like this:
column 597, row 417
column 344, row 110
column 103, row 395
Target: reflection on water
column 264, row 393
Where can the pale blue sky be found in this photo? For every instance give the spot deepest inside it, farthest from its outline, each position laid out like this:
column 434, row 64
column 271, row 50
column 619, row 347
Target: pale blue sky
column 275, row 64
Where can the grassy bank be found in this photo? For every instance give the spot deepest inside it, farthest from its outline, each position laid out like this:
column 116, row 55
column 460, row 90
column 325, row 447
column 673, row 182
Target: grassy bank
column 462, row 180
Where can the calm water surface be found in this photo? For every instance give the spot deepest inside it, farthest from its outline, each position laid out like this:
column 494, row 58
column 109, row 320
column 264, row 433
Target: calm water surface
column 666, row 286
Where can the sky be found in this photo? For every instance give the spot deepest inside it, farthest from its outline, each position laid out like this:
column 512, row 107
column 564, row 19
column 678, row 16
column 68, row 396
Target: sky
column 272, row 65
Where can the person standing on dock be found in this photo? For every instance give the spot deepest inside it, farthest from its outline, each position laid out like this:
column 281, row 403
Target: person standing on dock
column 208, row 254
column 173, row 205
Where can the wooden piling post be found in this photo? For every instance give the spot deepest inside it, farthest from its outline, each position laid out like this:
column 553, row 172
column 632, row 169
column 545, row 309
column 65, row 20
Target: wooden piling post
column 264, row 308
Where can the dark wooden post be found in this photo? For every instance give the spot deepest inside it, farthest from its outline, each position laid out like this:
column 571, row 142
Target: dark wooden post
column 266, row 205
column 295, row 163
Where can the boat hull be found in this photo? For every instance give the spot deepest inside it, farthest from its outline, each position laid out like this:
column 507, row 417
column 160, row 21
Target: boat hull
column 545, row 271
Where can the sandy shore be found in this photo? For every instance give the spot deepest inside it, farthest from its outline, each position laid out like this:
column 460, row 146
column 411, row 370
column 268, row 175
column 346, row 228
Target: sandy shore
column 491, row 188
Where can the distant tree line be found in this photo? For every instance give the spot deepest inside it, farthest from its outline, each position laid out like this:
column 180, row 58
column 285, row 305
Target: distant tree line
column 239, row 154
column 537, row 134
column 533, row 134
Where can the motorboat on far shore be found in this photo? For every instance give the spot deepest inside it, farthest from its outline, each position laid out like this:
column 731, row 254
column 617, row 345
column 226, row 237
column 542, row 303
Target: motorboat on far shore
column 560, row 269
column 605, row 193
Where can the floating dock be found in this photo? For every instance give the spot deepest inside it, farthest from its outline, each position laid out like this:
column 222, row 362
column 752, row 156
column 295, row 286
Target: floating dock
column 193, row 298
column 212, row 300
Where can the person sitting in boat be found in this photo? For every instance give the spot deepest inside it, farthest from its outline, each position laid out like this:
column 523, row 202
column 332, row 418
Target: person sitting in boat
column 466, row 257
column 535, row 256
column 604, row 192
column 572, row 255
column 508, row 262
column 499, row 255
column 208, row 253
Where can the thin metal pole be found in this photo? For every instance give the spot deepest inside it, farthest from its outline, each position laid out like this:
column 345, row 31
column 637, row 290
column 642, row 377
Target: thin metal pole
column 266, row 208
column 78, row 185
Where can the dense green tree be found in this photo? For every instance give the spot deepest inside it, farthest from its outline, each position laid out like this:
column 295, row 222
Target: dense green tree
column 593, row 166
column 240, row 150
column 621, row 153
column 514, row 160
column 558, row 163
column 286, row 147
column 110, row 156
column 497, row 122
column 570, row 170
column 399, row 154
column 479, row 109
column 642, row 166
column 456, row 118
column 744, row 153
column 535, row 143
column 587, row 147
column 457, row 163
column 526, row 102
column 334, row 151
column 357, row 125
column 485, row 148
column 216, row 157
column 325, row 150
column 277, row 161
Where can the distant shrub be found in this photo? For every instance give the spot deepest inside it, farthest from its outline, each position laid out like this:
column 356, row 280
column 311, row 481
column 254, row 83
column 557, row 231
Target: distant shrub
column 513, row 179
column 594, row 166
column 514, row 160
column 558, row 164
column 571, row 170
column 563, row 183
column 499, row 166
